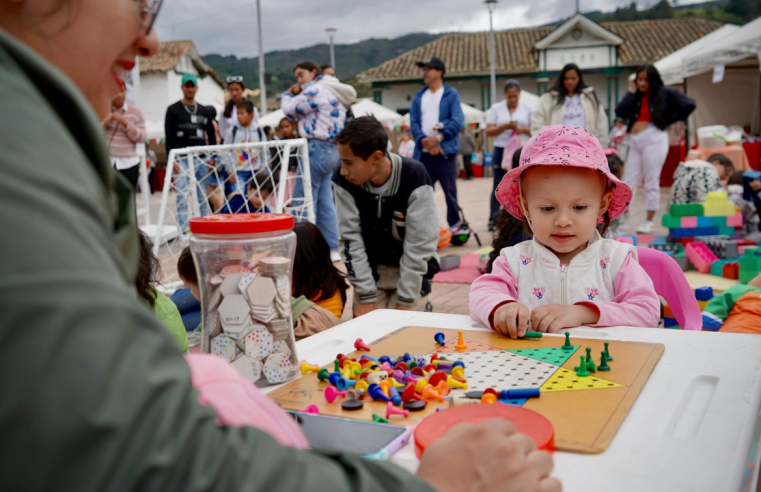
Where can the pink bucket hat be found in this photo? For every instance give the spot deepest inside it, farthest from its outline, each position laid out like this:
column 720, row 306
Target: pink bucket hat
column 560, row 145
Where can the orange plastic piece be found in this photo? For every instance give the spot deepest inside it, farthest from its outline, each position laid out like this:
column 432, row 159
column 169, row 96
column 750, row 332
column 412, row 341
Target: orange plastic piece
column 420, row 385
column 385, row 385
column 488, row 398
column 460, row 345
column 442, row 388
column 430, row 393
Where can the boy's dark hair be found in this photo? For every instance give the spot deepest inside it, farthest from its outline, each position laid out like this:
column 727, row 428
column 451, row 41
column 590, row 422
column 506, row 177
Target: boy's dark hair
column 314, row 275
column 736, row 178
column 247, row 105
column 146, row 270
column 308, row 65
column 263, row 180
column 616, row 165
column 186, row 267
column 365, row 136
column 728, row 166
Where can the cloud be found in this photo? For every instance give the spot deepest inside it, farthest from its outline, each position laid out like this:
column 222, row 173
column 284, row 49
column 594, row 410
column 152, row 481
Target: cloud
column 230, row 26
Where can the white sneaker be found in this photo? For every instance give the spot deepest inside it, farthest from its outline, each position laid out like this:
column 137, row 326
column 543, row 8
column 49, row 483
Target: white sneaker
column 334, row 256
column 646, row 227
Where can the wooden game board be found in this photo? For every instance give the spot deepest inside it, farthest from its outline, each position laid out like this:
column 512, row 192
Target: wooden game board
column 585, row 412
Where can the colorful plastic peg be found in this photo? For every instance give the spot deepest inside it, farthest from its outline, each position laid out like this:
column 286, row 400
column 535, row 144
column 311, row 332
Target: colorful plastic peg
column 453, row 383
column 313, row 409
column 376, row 393
column 396, row 398
column 603, row 362
column 360, row 345
column 439, row 337
column 430, row 393
column 607, row 353
column 488, row 398
column 343, row 383
column 392, row 410
column 323, row 375
column 307, row 367
column 331, row 394
column 378, row 419
column 460, row 346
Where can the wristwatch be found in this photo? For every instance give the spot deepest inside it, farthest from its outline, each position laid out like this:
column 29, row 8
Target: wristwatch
column 439, row 137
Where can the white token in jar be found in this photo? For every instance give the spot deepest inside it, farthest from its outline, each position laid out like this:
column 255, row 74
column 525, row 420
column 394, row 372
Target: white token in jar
column 224, row 347
column 248, row 367
column 281, row 346
column 239, row 332
column 233, row 310
column 283, row 289
column 245, row 281
column 259, row 344
column 261, row 292
column 277, row 368
column 230, row 285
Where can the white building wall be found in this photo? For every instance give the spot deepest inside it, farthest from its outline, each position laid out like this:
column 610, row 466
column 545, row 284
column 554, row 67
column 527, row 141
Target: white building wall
column 153, row 96
column 584, row 57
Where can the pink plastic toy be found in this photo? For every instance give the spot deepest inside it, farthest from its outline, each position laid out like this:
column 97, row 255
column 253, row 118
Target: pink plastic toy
column 700, row 255
column 331, row 393
column 672, row 285
column 391, row 410
column 313, row 409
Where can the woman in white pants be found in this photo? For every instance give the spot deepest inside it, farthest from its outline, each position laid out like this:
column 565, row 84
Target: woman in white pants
column 650, row 108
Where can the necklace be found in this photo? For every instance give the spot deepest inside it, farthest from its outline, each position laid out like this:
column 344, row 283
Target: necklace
column 195, row 108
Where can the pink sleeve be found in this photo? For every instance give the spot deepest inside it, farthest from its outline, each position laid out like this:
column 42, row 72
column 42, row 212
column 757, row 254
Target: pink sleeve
column 238, row 402
column 635, row 303
column 136, row 131
column 491, row 290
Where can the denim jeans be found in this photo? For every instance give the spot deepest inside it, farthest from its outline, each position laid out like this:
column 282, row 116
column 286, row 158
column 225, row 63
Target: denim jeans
column 444, row 170
column 323, row 163
column 499, row 173
column 182, row 189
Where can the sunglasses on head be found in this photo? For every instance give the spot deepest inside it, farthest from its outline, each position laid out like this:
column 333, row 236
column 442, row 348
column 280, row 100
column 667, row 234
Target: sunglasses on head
column 149, row 12
column 234, row 78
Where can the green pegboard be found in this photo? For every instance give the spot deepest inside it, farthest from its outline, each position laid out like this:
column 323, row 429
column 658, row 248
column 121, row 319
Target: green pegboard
column 553, row 355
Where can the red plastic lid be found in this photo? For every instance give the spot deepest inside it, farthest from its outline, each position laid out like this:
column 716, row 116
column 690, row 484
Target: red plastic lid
column 229, row 224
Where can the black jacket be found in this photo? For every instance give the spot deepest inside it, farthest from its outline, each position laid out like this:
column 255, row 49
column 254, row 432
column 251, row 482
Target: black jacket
column 185, row 130
column 670, row 107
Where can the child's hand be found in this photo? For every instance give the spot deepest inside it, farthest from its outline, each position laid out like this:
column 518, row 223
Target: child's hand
column 554, row 317
column 511, row 319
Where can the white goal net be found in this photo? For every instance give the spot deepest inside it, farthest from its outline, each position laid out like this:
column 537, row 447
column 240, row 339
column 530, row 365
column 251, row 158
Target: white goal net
column 238, row 178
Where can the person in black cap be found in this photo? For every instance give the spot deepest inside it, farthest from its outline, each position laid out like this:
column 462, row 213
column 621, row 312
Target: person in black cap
column 436, row 120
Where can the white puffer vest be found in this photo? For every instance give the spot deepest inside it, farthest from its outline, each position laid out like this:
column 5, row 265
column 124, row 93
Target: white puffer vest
column 588, row 278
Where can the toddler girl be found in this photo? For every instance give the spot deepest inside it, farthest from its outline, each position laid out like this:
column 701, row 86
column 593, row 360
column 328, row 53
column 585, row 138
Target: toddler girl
column 567, row 275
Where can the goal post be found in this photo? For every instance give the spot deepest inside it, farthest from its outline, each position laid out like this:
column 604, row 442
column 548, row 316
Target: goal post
column 236, row 178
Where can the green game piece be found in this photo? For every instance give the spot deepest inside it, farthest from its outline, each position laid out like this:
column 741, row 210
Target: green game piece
column 607, row 353
column 337, row 366
column 533, row 334
column 413, row 365
column 591, row 366
column 603, row 362
column 378, row 419
column 323, row 374
column 589, row 355
column 568, row 345
column 581, row 371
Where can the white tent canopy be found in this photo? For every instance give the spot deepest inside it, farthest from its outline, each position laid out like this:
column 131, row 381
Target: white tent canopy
column 671, row 67
column 742, row 43
column 386, row 116
column 271, row 119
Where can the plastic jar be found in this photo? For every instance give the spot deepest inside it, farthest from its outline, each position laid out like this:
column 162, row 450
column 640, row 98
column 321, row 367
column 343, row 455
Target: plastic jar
column 244, row 265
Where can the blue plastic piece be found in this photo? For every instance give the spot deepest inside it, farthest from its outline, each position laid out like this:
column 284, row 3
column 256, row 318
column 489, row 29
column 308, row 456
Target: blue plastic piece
column 711, row 324
column 669, row 322
column 376, row 393
column 334, row 377
column 458, row 363
column 518, row 394
column 396, row 399
column 439, row 337
column 369, row 358
column 384, row 358
column 407, row 357
column 342, row 383
column 704, row 293
column 681, row 232
column 658, row 240
column 749, row 176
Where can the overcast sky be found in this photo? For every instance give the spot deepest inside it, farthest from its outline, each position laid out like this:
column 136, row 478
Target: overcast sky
column 229, row 26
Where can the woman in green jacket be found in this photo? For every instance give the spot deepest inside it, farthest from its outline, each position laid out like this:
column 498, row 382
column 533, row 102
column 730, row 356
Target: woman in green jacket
column 95, row 394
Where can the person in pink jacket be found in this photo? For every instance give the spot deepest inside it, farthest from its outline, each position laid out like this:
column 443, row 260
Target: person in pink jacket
column 567, row 275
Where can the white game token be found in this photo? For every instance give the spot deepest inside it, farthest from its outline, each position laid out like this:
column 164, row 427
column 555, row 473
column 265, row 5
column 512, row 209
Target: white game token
column 277, row 368
column 234, row 310
column 281, row 346
column 230, row 286
column 283, row 289
column 259, row 344
column 245, row 281
column 224, row 347
column 248, row 367
column 261, row 292
column 241, row 331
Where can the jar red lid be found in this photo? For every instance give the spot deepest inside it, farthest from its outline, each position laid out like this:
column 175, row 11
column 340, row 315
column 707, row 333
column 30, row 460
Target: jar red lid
column 229, row 224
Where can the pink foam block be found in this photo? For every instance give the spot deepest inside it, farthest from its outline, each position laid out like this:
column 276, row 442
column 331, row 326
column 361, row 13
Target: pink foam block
column 645, row 239
column 625, row 239
column 741, row 249
column 736, row 220
column 689, row 222
column 701, row 256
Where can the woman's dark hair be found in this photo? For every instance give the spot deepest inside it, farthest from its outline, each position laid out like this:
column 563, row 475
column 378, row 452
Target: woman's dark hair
column 146, row 271
column 186, row 267
column 736, row 178
column 616, row 165
column 728, row 166
column 656, row 83
column 230, row 104
column 309, row 66
column 314, row 275
column 365, row 136
column 560, row 83
column 325, row 66
column 511, row 84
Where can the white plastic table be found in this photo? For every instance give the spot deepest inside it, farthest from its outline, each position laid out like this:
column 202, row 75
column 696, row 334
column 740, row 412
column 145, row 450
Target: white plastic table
column 694, row 426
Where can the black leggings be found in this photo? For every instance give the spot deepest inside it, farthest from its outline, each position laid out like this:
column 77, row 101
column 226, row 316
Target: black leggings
column 132, row 174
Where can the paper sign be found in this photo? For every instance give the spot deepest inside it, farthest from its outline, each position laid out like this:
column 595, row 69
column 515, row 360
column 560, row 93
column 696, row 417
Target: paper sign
column 718, row 74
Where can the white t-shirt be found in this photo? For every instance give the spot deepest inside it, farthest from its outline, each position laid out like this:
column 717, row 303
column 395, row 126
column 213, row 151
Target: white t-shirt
column 429, row 111
column 573, row 113
column 499, row 114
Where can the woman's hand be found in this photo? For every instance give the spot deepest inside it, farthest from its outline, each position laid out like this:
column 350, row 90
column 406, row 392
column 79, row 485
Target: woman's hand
column 295, row 89
column 633, row 86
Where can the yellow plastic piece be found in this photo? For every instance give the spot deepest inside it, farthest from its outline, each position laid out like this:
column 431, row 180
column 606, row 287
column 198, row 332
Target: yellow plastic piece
column 420, row 385
column 453, row 383
column 395, row 383
column 361, row 385
column 458, row 372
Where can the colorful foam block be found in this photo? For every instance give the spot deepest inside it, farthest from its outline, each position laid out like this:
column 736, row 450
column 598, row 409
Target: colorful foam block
column 736, row 220
column 731, row 271
column 659, row 241
column 706, row 221
column 750, row 266
column 669, row 221
column 669, row 322
column 701, row 256
column 644, row 239
column 717, row 204
column 692, row 232
column 704, row 293
column 749, row 176
column 717, row 267
column 686, row 209
column 689, row 222
column 667, row 312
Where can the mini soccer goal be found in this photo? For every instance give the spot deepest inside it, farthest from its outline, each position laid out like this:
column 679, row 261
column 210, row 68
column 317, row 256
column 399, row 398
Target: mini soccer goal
column 238, row 178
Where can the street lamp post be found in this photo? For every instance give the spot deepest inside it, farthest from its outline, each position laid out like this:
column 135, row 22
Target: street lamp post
column 492, row 5
column 331, row 34
column 262, row 89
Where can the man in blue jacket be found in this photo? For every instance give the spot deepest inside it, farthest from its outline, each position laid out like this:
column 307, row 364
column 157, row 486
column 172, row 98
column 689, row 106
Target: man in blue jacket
column 436, row 120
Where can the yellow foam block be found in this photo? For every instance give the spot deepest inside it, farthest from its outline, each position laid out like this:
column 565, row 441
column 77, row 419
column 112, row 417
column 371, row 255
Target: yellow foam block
column 718, row 205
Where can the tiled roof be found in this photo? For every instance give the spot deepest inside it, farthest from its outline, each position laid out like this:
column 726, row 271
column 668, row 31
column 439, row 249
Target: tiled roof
column 169, row 55
column 468, row 53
